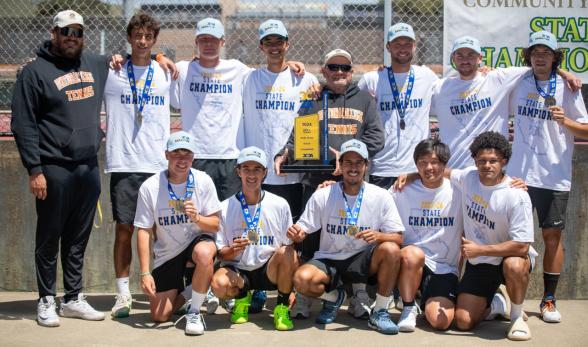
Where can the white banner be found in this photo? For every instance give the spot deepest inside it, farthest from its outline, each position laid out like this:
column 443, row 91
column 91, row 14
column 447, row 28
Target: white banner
column 503, row 28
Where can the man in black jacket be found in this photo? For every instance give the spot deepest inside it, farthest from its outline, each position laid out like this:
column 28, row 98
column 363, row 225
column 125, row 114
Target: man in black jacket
column 352, row 115
column 56, row 124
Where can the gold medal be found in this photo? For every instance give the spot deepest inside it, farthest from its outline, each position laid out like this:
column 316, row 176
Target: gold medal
column 252, row 236
column 353, row 230
column 549, row 101
column 139, row 117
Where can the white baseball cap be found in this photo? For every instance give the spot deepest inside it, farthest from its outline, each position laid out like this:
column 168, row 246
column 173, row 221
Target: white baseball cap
column 337, row 53
column 400, row 30
column 467, row 42
column 543, row 38
column 354, row 146
column 252, row 153
column 210, row 26
column 272, row 27
column 181, row 140
column 67, row 17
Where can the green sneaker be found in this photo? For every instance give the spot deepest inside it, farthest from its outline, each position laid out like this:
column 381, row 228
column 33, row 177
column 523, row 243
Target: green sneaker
column 240, row 313
column 282, row 319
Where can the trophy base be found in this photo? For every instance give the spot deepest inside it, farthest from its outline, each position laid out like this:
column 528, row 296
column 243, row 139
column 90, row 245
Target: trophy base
column 314, row 168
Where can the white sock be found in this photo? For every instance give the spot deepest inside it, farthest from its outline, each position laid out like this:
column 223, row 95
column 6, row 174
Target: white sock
column 197, row 301
column 330, row 296
column 122, row 286
column 381, row 302
column 187, row 292
column 516, row 311
column 357, row 287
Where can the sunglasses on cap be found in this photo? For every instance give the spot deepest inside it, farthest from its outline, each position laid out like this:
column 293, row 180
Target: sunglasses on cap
column 68, row 32
column 337, row 67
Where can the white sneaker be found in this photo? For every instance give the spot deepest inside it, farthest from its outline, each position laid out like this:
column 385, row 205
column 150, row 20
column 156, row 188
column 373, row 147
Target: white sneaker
column 407, row 321
column 211, row 302
column 228, row 304
column 500, row 306
column 47, row 312
column 194, row 324
column 549, row 312
column 80, row 309
column 360, row 305
column 122, row 306
column 301, row 309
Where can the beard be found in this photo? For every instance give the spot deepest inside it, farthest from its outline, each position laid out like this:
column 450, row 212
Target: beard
column 68, row 52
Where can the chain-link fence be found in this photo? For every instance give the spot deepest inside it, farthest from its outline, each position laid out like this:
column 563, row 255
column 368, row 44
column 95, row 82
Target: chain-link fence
column 314, row 28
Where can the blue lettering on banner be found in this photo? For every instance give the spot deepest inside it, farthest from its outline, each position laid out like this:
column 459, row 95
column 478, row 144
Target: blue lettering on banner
column 128, row 99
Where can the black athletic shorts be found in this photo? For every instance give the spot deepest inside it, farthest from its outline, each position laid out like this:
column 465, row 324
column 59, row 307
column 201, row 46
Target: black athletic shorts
column 222, row 172
column 355, row 269
column 383, row 182
column 550, row 205
column 293, row 195
column 124, row 190
column 481, row 280
column 256, row 279
column 433, row 285
column 170, row 275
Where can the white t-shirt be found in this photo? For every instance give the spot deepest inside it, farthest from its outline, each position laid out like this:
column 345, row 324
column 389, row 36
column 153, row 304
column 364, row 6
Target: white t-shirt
column 396, row 156
column 493, row 214
column 326, row 210
column 211, row 106
column 465, row 109
column 274, row 221
column 174, row 230
column 433, row 222
column 132, row 148
column 542, row 149
column 270, row 104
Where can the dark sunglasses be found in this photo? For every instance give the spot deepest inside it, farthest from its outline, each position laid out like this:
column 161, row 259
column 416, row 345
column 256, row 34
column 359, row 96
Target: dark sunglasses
column 337, row 67
column 75, row 32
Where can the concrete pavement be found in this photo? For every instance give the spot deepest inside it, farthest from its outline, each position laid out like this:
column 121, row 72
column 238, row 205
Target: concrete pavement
column 19, row 328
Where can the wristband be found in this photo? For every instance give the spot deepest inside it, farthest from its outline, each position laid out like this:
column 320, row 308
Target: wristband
column 146, row 273
column 158, row 57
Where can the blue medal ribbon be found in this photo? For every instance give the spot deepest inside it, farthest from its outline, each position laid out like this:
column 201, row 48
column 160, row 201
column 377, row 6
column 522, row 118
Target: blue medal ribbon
column 401, row 106
column 552, row 85
column 190, row 186
column 146, row 87
column 325, row 126
column 251, row 222
column 353, row 215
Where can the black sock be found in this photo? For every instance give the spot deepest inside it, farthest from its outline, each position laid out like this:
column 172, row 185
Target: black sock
column 407, row 303
column 549, row 284
column 243, row 292
column 283, row 299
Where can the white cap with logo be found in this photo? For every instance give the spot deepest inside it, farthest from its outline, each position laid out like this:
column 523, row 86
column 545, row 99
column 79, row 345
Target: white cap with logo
column 467, row 42
column 252, row 153
column 354, row 146
column 210, row 26
column 181, row 140
column 337, row 53
column 67, row 17
column 543, row 38
column 400, row 30
column 272, row 27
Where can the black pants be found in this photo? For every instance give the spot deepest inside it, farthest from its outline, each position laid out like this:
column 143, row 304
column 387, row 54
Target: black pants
column 222, row 172
column 65, row 219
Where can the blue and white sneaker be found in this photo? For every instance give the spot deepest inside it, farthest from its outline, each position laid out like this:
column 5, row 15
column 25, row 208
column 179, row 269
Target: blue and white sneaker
column 257, row 301
column 211, row 302
column 330, row 308
column 380, row 321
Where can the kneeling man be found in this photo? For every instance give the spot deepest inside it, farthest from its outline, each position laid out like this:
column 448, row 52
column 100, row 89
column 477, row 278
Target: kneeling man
column 360, row 240
column 253, row 248
column 498, row 227
column 180, row 206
